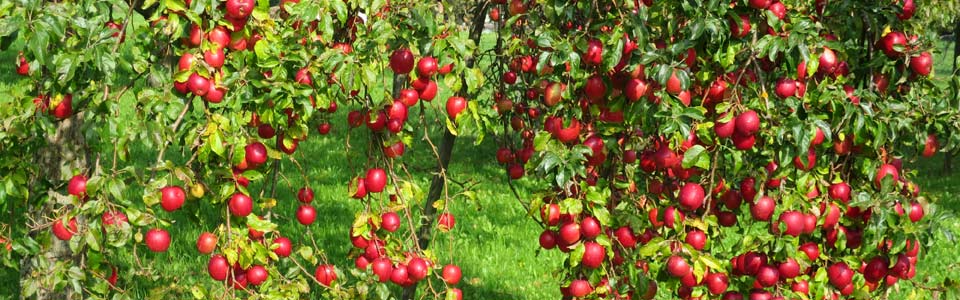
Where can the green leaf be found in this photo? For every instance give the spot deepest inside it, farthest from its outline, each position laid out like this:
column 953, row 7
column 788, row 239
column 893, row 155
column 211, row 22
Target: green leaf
column 571, row 206
column 577, row 255
column 696, row 156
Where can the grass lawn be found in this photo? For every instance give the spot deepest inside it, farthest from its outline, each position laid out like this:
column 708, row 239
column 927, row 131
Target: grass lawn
column 494, row 242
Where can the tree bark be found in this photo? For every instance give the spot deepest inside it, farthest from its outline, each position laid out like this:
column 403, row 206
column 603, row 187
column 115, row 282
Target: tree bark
column 425, row 231
column 64, row 152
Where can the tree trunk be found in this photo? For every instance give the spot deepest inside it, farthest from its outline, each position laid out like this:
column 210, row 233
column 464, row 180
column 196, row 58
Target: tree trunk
column 64, row 152
column 425, row 231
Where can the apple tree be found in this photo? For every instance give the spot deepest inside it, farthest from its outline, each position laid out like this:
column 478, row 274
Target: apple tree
column 142, row 113
column 725, row 148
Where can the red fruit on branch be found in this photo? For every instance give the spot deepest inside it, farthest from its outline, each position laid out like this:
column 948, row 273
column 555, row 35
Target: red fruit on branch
column 172, row 197
column 157, row 240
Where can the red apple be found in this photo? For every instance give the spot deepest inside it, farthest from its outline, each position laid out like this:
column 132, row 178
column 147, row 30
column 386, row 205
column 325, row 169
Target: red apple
column 218, row 267
column 446, row 221
column 240, row 205
column 306, row 214
column 63, row 232
column 376, row 180
column 326, row 274
column 171, row 198
column 401, row 61
column 284, row 246
column 427, row 67
column 455, row 105
column 206, row 243
column 157, row 240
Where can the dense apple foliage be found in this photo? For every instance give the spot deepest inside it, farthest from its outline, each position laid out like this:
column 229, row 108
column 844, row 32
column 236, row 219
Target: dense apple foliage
column 735, row 149
column 693, row 149
column 226, row 90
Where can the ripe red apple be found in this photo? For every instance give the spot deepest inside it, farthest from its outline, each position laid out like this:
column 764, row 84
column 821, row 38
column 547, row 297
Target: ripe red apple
column 215, row 58
column 62, row 232
column 767, row 276
column 594, row 53
column 305, row 195
column 429, row 90
column 789, row 268
column 839, row 274
column 811, row 250
column 186, row 61
column 399, row 276
column 828, row 62
column 240, row 205
column 23, row 67
column 740, row 27
column 397, row 111
column 198, row 85
column 446, row 221
column 553, row 94
column 922, row 64
column 306, row 214
column 284, row 246
column 240, row 9
column 931, row 146
column 716, row 283
column 747, row 123
column 886, row 170
column 303, row 77
column 876, row 269
column 678, row 267
column 674, row 86
column 916, row 212
column 800, row 286
column 567, row 134
column 807, row 163
column 509, row 77
column 383, row 268
column 570, row 233
column 760, row 4
column 401, row 61
column 113, row 218
column 394, row 150
column 691, row 196
column 778, row 9
column 593, row 255
column 696, row 239
column 157, row 240
column 763, row 208
column 890, row 41
column 451, row 274
column 195, row 37
column 590, row 228
column 172, row 197
column 427, row 67
column 724, row 129
column 218, row 267
column 635, row 89
column 417, row 268
column 786, row 87
column 206, row 243
column 794, row 222
column 390, row 221
column 626, row 237
column 257, row 275
column 326, row 274
column 550, row 214
column 548, row 239
column 840, row 191
column 455, row 105
column 376, row 180
column 908, row 10
column 579, row 287
column 672, row 217
column 77, row 186
column 595, row 89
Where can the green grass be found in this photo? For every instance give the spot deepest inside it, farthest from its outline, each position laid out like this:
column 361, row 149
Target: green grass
column 494, row 242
